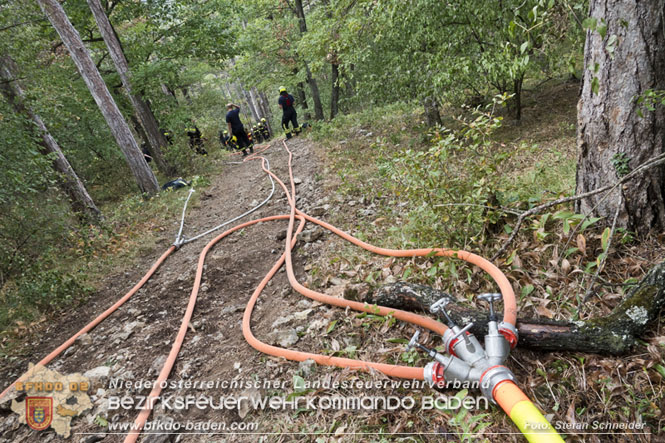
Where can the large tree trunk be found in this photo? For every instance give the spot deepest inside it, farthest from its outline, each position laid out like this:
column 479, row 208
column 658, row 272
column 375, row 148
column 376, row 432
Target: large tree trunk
column 144, row 176
column 613, row 334
column 69, row 181
column 609, row 127
column 154, row 137
column 334, row 94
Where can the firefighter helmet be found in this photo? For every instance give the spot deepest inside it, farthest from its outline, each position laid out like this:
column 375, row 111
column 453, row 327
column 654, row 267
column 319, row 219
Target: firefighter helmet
column 282, row 89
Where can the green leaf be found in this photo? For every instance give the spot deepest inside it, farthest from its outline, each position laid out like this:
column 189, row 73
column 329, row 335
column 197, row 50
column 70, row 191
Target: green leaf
column 660, row 369
column 595, row 85
column 298, row 383
column 331, row 327
column 528, row 289
column 524, row 47
column 589, row 23
column 605, row 239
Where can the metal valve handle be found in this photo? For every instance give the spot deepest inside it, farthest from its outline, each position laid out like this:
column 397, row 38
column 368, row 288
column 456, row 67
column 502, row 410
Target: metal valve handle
column 462, row 331
column 491, row 296
column 439, row 305
column 414, row 341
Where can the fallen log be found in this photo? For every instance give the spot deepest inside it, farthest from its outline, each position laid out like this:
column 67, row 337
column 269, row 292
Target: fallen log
column 613, row 334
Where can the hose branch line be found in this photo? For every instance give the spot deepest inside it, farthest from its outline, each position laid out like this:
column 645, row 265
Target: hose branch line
column 179, row 242
column 182, row 331
column 93, row 323
column 182, row 241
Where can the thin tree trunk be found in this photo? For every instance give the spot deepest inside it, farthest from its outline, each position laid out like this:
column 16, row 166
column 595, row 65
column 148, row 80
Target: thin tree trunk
column 311, row 81
column 259, row 112
column 302, row 100
column 144, row 176
column 431, row 106
column 250, row 103
column 266, row 106
column 69, row 181
column 154, row 137
column 334, row 95
column 610, row 132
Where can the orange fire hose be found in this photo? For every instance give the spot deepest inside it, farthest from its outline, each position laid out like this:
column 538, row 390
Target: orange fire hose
column 388, row 369
column 95, row 322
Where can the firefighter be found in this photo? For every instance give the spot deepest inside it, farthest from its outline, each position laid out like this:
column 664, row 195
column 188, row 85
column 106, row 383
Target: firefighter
column 263, row 127
column 224, row 139
column 236, row 128
column 195, row 141
column 289, row 114
column 232, row 143
column 256, row 134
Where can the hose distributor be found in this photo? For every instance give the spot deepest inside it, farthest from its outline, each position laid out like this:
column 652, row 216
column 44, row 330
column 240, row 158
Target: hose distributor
column 468, row 361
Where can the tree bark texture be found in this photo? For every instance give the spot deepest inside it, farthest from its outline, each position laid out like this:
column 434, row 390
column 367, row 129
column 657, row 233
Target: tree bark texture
column 69, row 181
column 154, row 137
column 614, row 334
column 250, row 102
column 268, row 112
column 144, row 176
column 609, row 127
column 311, row 81
column 334, row 94
column 431, row 106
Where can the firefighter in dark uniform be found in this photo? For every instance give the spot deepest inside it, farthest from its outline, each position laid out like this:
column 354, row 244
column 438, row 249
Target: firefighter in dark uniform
column 237, row 129
column 224, row 139
column 289, row 114
column 195, row 141
column 263, row 127
column 256, row 134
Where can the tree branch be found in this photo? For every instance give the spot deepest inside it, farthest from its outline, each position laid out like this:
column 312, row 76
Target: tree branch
column 655, row 161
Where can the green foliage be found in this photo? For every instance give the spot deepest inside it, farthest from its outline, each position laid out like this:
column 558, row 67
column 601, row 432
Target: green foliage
column 649, row 100
column 464, row 160
column 620, row 162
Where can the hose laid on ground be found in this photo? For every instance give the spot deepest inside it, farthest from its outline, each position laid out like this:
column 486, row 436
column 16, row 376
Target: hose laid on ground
column 141, row 419
column 524, row 414
column 95, row 322
column 179, row 242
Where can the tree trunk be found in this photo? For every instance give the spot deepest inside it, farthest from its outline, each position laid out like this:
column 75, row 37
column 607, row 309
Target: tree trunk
column 250, row 102
column 144, row 176
column 69, row 181
column 268, row 112
column 334, row 94
column 613, row 334
column 154, row 137
column 431, row 106
column 311, row 81
column 255, row 102
column 316, row 97
column 609, row 129
column 302, row 100
column 516, row 101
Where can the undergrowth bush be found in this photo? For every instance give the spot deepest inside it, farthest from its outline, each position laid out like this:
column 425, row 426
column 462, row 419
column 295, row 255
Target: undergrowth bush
column 451, row 187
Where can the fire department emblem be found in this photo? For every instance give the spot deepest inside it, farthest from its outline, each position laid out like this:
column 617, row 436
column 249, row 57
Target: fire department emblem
column 39, row 412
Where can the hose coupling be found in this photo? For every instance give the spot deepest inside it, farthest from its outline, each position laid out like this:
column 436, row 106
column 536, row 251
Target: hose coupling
column 510, row 333
column 434, row 374
column 492, row 377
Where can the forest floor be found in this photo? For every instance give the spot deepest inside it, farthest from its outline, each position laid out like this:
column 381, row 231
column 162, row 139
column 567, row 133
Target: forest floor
column 131, row 345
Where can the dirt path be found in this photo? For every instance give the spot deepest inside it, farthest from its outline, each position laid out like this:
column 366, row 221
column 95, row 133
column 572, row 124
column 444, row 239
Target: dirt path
column 134, row 341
